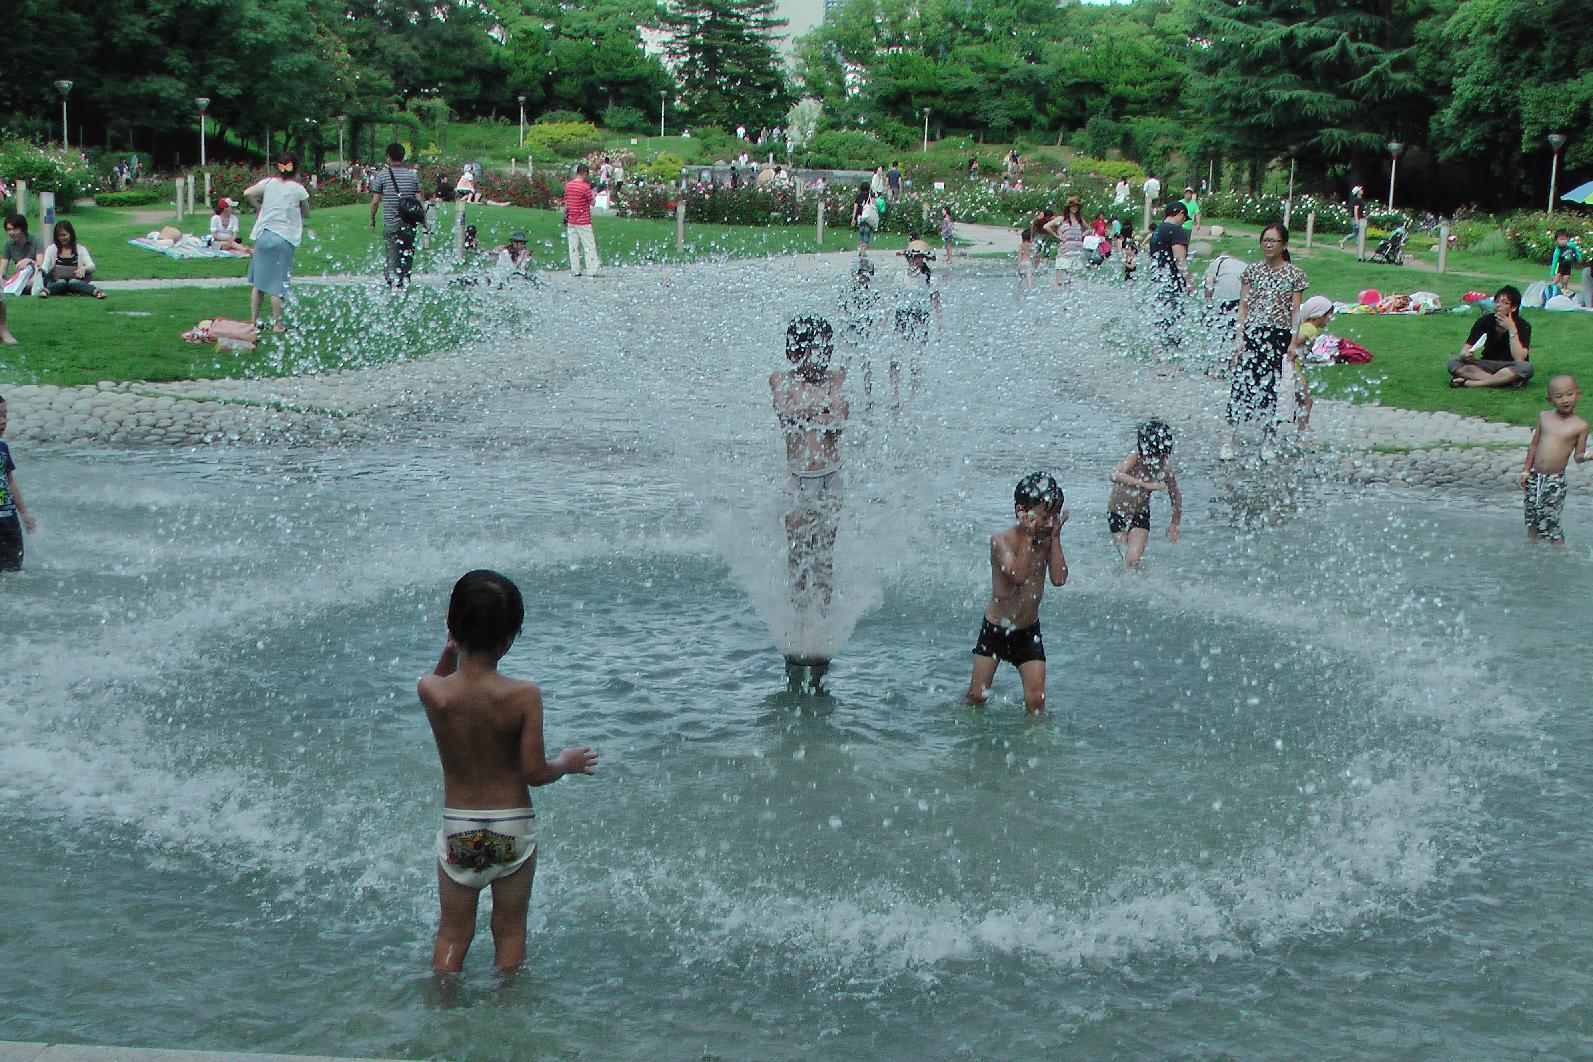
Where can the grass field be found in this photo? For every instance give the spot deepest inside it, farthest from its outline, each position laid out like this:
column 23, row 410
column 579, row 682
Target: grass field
column 137, row 335
column 343, row 241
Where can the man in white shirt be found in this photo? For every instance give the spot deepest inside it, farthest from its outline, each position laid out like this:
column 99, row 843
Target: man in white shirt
column 1120, row 193
column 1153, row 188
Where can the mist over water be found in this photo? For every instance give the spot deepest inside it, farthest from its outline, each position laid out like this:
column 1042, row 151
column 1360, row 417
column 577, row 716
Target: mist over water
column 1309, row 784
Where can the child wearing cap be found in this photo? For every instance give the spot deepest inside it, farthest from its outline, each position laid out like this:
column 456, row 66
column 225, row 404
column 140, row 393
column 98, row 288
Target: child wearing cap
column 1294, row 398
column 224, row 227
column 514, row 261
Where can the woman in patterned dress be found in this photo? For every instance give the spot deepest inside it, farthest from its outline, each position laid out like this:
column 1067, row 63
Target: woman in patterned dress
column 1269, row 300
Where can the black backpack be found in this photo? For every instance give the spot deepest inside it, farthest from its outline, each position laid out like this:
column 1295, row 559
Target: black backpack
column 411, row 211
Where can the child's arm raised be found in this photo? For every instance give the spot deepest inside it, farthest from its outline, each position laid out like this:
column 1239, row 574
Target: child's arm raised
column 1177, row 499
column 535, row 766
column 1056, row 564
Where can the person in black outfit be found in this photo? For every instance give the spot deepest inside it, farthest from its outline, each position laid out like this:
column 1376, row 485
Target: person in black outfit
column 1506, row 340
column 1169, row 260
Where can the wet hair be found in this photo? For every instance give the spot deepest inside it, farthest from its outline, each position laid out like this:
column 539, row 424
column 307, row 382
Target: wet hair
column 1026, row 236
column 485, row 611
column 1037, row 488
column 289, row 158
column 17, row 221
column 1155, row 439
column 71, row 235
column 1283, row 234
column 1511, row 292
column 810, row 338
column 395, row 151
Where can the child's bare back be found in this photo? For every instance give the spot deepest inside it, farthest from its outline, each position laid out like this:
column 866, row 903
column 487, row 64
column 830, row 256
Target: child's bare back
column 488, row 730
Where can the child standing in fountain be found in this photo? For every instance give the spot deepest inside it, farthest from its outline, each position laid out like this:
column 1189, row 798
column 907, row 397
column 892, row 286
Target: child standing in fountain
column 488, row 729
column 1021, row 557
column 812, row 411
column 1147, row 470
column 1559, row 436
column 14, row 515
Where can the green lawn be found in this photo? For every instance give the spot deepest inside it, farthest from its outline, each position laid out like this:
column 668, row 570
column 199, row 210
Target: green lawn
column 344, row 242
column 137, row 335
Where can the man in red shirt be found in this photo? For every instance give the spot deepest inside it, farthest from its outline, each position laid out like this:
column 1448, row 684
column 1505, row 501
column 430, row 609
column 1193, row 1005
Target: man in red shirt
column 578, row 198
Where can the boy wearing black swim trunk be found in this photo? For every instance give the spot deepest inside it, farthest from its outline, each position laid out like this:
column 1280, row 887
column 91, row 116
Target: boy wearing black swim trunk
column 1142, row 473
column 1020, row 559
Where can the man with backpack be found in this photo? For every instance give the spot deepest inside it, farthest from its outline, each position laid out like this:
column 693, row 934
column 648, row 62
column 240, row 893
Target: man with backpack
column 396, row 189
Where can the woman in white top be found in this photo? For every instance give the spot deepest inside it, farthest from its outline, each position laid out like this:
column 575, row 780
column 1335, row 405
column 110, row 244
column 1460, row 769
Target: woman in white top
column 224, row 231
column 281, row 205
column 68, row 265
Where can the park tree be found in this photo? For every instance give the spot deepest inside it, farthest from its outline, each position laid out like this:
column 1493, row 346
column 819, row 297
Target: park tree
column 1326, row 82
column 724, row 55
column 587, row 58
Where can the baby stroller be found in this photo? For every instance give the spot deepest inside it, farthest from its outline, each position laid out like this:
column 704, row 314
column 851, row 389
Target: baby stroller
column 1392, row 250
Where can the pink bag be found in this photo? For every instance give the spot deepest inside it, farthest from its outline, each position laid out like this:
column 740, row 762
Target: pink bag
column 1352, row 353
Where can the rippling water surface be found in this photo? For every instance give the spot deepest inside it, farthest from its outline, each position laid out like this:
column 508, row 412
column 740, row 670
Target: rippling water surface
column 1314, row 784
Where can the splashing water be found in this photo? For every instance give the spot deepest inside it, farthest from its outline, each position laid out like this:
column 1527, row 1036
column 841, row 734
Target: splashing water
column 1296, row 788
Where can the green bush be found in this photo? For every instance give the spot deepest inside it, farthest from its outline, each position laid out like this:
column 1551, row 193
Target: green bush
column 844, row 149
column 559, row 118
column 563, row 140
column 664, row 168
column 626, row 120
column 66, row 173
column 1531, row 236
column 1110, row 170
column 138, row 195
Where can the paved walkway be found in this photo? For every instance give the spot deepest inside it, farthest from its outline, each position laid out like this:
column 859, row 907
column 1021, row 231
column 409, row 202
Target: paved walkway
column 1358, row 442
column 25, row 1052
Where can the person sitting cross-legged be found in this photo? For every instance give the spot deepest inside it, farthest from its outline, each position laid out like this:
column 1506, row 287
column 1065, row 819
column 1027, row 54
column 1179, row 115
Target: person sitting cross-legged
column 1497, row 350
column 68, row 265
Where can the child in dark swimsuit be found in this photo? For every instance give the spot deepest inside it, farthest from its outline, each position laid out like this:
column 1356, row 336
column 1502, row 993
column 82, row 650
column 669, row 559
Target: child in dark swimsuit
column 1020, row 559
column 1141, row 474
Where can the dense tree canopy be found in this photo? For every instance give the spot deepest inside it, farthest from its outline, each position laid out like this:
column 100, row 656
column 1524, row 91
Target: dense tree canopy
column 1473, row 86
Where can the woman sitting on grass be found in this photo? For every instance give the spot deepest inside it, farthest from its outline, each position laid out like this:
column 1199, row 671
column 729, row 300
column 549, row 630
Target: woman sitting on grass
column 1496, row 352
column 224, row 228
column 67, row 266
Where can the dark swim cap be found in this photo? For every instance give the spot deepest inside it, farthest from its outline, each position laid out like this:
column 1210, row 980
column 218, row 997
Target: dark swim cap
column 1035, row 488
column 1155, row 439
column 807, row 332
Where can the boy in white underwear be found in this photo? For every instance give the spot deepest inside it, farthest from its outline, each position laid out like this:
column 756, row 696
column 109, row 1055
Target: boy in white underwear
column 488, row 730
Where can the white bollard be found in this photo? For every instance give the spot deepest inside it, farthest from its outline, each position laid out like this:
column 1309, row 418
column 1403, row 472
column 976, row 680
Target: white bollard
column 1360, row 239
column 179, row 183
column 1310, row 229
column 820, row 235
column 47, row 215
column 190, row 193
column 680, row 225
column 22, row 198
column 207, row 189
column 1443, row 247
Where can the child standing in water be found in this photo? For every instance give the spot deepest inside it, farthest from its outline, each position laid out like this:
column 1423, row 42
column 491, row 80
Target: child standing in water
column 1559, row 436
column 1025, row 261
column 14, row 515
column 1020, row 559
column 488, row 730
column 1147, row 470
column 812, row 413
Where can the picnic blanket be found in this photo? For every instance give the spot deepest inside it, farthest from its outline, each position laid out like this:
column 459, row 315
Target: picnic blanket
column 181, row 250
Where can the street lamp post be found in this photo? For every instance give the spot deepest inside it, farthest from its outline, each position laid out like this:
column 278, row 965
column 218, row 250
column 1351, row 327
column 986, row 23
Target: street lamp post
column 522, row 120
column 1556, row 141
column 342, row 127
column 1395, row 148
column 63, row 87
column 203, row 102
column 926, row 129
column 663, row 94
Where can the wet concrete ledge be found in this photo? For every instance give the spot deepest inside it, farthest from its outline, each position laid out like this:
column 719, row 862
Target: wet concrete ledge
column 24, row 1052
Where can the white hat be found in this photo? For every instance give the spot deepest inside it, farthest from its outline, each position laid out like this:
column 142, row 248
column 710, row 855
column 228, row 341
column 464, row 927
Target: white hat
column 1315, row 306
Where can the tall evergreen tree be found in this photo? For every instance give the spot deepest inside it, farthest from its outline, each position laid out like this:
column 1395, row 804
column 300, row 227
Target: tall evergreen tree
column 724, row 57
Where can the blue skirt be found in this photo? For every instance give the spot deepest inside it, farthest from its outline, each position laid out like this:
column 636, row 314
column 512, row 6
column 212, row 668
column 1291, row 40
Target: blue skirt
column 271, row 264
